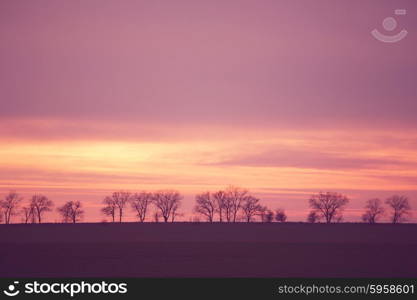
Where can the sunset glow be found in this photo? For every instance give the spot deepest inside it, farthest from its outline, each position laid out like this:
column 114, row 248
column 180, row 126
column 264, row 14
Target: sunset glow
column 94, row 101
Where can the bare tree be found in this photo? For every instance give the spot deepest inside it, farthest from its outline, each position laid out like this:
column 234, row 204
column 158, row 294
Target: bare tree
column 10, row 205
column 40, row 205
column 140, row 203
column 110, row 208
column 313, row 217
column 206, row 205
column 220, row 198
column 267, row 216
column 233, row 201
column 71, row 211
column 251, row 207
column 175, row 214
column 280, row 215
column 262, row 213
column 167, row 202
column 400, row 206
column 373, row 211
column 28, row 215
column 122, row 198
column 116, row 202
column 329, row 205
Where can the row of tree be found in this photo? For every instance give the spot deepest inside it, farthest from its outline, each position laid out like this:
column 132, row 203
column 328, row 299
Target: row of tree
column 233, row 202
column 37, row 206
column 166, row 203
column 324, row 206
column 229, row 205
column 329, row 207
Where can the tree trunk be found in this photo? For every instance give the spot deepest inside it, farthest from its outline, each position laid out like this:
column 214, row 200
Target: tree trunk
column 8, row 217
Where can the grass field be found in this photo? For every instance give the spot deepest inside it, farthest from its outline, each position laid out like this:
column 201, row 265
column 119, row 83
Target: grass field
column 208, row 250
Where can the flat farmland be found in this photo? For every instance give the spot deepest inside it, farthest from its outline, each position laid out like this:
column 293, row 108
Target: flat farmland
column 208, row 250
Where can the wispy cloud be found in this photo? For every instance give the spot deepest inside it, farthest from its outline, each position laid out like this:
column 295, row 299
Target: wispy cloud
column 308, row 159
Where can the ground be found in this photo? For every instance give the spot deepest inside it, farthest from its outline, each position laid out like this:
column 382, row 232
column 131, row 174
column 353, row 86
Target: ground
column 208, row 250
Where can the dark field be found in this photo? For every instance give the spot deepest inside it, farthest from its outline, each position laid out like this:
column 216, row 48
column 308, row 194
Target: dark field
column 208, row 250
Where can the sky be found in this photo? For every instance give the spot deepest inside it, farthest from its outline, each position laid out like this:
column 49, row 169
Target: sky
column 285, row 98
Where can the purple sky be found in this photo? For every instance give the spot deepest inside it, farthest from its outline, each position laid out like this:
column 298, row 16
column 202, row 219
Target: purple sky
column 285, row 63
column 276, row 87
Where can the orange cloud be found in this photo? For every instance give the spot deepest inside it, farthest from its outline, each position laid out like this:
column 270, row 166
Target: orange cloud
column 279, row 160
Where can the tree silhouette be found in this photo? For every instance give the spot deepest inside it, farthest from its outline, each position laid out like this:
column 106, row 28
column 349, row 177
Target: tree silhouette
column 220, row 198
column 280, row 215
column 28, row 215
column 206, row 205
column 313, row 217
column 269, row 216
column 110, row 208
column 329, row 205
column 71, row 211
column 117, row 201
column 373, row 211
column 227, row 208
column 167, row 202
column 400, row 208
column 40, row 204
column 266, row 215
column 233, row 201
column 251, row 207
column 9, row 205
column 140, row 203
